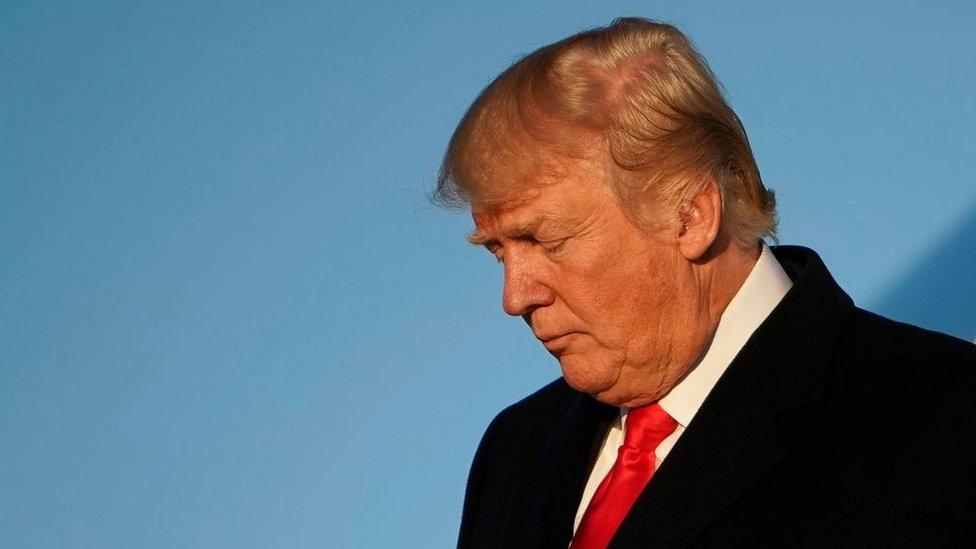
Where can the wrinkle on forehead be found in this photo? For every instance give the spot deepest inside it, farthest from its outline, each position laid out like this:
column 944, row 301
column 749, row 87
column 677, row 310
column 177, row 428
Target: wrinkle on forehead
column 555, row 205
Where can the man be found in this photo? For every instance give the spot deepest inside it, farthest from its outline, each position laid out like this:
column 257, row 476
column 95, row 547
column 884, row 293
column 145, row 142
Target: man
column 715, row 392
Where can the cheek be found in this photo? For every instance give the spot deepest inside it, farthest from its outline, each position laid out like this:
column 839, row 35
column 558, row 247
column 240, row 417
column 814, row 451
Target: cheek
column 613, row 296
column 638, row 297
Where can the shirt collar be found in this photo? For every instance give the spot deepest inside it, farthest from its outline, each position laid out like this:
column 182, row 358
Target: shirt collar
column 762, row 290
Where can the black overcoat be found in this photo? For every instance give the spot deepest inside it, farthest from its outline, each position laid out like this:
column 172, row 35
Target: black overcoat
column 832, row 427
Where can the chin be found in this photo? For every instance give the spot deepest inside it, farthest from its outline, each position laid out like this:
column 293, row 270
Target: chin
column 587, row 376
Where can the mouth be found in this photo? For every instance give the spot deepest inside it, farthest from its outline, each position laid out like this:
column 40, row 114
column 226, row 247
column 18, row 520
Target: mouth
column 557, row 343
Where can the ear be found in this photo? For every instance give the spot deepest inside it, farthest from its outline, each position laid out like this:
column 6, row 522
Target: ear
column 701, row 217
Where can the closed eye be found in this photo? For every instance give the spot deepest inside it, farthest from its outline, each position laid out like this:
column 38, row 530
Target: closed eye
column 554, row 245
column 493, row 250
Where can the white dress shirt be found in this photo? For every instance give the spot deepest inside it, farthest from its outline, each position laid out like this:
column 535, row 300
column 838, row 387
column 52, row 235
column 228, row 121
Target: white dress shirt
column 762, row 290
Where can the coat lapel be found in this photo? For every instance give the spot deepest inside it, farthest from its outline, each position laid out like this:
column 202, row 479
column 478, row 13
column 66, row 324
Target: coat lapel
column 552, row 482
column 732, row 441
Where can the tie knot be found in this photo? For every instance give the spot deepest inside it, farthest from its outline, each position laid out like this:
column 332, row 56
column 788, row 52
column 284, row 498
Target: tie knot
column 647, row 426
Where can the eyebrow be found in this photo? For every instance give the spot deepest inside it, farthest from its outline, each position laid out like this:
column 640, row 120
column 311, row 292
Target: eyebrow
column 518, row 229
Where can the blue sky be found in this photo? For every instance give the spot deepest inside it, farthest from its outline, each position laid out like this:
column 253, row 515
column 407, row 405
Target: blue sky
column 230, row 317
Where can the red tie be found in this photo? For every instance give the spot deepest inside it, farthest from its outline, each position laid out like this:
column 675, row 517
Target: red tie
column 646, row 427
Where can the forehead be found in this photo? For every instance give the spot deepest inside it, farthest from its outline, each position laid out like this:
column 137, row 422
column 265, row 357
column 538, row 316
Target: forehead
column 556, row 199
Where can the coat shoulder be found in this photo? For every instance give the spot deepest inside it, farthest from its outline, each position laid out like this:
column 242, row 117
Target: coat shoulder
column 512, row 432
column 520, row 425
column 900, row 351
column 542, row 405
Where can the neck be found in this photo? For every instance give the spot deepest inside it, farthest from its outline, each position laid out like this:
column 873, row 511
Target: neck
column 724, row 276
column 718, row 280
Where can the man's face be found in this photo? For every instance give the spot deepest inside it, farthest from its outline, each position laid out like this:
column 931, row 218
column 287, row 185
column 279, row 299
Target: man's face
column 612, row 302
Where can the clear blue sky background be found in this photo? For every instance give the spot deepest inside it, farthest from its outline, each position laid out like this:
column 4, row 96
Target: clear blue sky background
column 229, row 318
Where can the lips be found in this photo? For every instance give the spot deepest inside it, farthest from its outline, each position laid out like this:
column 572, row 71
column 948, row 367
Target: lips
column 549, row 337
column 556, row 342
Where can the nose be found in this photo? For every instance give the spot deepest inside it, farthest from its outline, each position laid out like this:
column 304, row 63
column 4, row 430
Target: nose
column 525, row 288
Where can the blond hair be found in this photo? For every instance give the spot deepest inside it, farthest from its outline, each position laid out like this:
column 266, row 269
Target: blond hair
column 637, row 92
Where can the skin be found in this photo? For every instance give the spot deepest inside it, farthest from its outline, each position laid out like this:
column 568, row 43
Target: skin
column 626, row 312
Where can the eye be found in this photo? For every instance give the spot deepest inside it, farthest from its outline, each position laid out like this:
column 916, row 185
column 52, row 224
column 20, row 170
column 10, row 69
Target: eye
column 554, row 245
column 494, row 250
